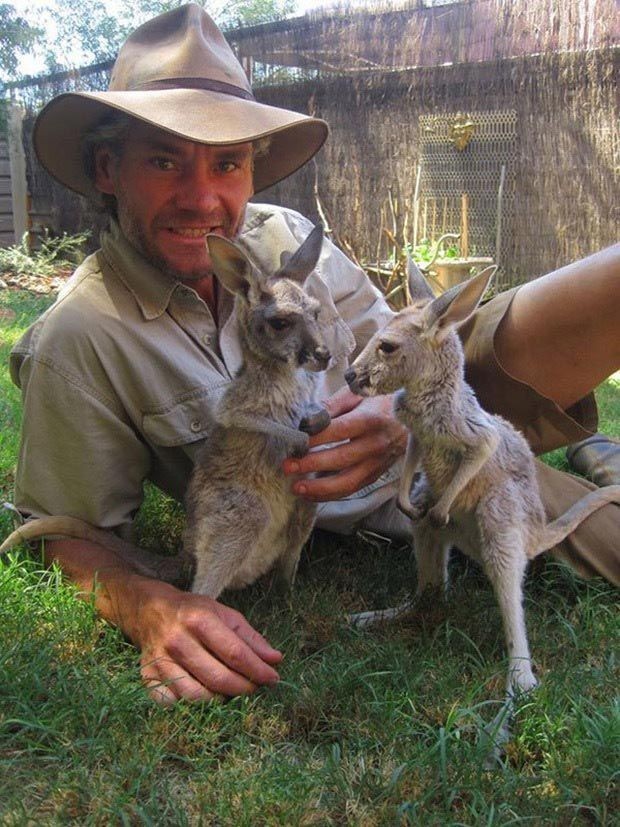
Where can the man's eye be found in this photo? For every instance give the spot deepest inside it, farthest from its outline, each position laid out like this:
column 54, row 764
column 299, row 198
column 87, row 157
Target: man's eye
column 163, row 163
column 387, row 347
column 228, row 166
column 279, row 324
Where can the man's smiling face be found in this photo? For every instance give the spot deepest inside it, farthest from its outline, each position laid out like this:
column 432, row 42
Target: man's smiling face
column 171, row 192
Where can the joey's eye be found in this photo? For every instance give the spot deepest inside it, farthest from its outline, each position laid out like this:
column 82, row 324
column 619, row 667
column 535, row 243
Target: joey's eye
column 387, row 347
column 279, row 324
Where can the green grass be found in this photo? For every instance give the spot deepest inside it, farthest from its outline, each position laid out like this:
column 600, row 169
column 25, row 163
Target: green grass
column 366, row 728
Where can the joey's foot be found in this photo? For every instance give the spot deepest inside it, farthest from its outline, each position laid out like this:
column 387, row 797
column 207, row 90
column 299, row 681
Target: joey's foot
column 521, row 681
column 315, row 422
column 438, row 518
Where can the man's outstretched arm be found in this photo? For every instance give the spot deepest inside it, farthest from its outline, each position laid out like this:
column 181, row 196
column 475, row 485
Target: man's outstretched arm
column 191, row 646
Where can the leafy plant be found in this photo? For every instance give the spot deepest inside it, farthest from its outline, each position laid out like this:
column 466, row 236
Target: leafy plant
column 54, row 253
column 423, row 252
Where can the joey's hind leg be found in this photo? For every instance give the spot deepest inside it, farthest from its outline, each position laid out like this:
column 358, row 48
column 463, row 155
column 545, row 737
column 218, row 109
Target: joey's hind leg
column 504, row 560
column 432, row 551
column 297, row 532
column 223, row 538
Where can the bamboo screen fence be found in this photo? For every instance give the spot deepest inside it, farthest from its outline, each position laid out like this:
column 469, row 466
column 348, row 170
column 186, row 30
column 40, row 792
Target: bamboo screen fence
column 535, row 80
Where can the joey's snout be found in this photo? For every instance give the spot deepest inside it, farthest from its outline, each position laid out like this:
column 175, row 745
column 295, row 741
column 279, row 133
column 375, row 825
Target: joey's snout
column 315, row 358
column 322, row 357
column 357, row 381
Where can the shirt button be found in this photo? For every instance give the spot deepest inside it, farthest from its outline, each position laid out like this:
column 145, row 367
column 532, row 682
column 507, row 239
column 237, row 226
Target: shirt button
column 207, row 339
column 195, row 425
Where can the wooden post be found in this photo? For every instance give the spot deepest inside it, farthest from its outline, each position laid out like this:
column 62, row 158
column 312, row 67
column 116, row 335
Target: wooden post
column 17, row 173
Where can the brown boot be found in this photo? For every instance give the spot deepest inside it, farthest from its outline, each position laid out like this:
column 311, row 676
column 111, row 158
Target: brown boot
column 597, row 458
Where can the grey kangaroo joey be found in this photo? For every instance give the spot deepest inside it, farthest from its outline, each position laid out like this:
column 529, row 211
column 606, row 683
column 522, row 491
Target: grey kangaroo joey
column 242, row 517
column 476, row 483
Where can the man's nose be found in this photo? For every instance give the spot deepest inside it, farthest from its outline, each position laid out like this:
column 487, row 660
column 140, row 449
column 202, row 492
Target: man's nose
column 198, row 188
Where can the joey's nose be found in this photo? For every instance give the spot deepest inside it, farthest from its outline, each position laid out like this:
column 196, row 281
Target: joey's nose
column 349, row 376
column 322, row 355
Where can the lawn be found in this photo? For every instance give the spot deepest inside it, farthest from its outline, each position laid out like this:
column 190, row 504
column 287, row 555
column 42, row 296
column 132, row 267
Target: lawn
column 373, row 727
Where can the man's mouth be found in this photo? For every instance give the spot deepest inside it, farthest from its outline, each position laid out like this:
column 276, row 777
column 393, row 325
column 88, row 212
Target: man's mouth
column 196, row 232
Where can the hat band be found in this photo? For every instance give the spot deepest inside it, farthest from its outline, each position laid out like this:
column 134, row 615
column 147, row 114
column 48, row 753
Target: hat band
column 198, row 83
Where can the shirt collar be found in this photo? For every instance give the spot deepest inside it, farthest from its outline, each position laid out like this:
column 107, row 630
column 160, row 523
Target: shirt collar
column 151, row 288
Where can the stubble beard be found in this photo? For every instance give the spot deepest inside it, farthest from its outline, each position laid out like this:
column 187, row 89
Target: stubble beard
column 137, row 237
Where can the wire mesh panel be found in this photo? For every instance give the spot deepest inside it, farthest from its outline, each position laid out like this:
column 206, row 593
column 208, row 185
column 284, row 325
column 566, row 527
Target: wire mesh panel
column 463, row 155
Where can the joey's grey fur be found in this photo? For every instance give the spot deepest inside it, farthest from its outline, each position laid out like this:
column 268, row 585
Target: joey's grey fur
column 242, row 517
column 478, row 489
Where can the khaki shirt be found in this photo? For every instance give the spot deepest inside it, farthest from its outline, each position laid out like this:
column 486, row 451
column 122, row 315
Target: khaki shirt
column 120, row 375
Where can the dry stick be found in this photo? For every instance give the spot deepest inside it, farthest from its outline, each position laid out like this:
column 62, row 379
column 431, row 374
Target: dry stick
column 434, row 218
column 380, row 239
column 498, row 220
column 445, row 215
column 405, row 277
column 394, row 210
column 464, row 227
column 416, row 207
column 424, row 233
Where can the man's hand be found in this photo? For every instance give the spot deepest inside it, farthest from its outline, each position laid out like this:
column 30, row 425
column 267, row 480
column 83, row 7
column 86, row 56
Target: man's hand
column 372, row 440
column 191, row 646
column 195, row 648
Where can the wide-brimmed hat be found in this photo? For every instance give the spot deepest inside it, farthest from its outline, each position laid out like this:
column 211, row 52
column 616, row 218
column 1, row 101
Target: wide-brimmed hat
column 178, row 73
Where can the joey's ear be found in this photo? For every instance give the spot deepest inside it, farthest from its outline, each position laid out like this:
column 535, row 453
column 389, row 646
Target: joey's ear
column 419, row 288
column 455, row 306
column 230, row 265
column 304, row 259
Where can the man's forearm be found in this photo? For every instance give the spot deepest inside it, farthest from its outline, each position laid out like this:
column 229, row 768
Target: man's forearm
column 191, row 646
column 116, row 589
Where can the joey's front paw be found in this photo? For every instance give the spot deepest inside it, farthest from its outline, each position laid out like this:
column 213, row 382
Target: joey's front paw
column 315, row 422
column 300, row 447
column 437, row 517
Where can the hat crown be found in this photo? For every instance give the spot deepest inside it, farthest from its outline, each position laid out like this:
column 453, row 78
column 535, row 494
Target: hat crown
column 184, row 44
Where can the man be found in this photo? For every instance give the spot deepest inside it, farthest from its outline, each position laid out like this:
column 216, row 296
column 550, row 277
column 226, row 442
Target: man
column 119, row 376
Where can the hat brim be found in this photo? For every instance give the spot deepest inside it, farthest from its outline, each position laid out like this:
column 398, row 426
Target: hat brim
column 196, row 114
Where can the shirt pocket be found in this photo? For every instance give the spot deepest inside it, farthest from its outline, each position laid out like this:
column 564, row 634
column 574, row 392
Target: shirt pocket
column 183, row 421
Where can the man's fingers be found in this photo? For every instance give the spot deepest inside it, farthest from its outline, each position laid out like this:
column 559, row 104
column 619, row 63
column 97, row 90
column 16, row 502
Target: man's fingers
column 230, row 649
column 349, row 425
column 349, row 454
column 237, row 623
column 167, row 682
column 208, row 669
column 341, row 402
column 325, row 489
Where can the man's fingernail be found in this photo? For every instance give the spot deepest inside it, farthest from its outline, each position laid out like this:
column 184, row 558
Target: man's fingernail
column 301, row 490
column 293, row 467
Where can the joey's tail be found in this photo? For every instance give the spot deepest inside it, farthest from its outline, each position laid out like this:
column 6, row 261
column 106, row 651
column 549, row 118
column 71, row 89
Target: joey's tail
column 560, row 528
column 171, row 569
